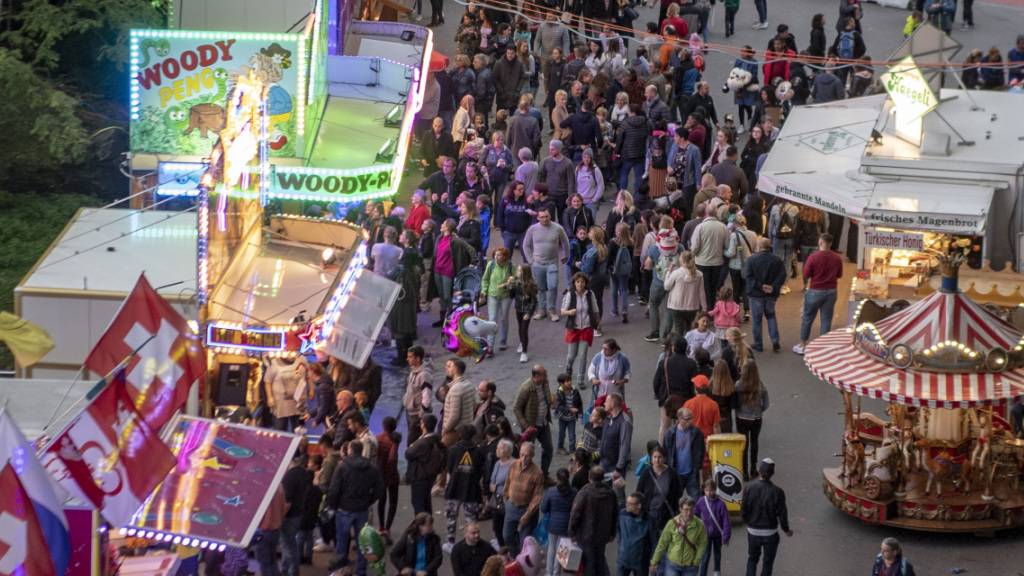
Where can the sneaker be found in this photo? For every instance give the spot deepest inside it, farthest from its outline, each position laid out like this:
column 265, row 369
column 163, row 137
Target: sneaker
column 598, row 333
column 553, row 316
column 447, row 547
column 756, row 26
column 437, row 490
column 523, row 358
column 740, row 129
column 495, row 544
column 746, row 316
column 538, row 315
column 519, row 349
column 652, row 338
column 776, row 347
column 763, row 26
column 798, row 349
column 321, row 547
column 503, row 347
column 562, row 452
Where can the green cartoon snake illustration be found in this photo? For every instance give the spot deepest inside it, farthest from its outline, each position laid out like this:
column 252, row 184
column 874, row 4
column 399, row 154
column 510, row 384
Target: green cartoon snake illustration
column 161, row 47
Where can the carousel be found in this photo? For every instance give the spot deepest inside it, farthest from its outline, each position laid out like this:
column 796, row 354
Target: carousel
column 943, row 458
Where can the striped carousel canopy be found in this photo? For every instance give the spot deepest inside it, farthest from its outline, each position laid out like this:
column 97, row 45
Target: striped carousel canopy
column 945, row 351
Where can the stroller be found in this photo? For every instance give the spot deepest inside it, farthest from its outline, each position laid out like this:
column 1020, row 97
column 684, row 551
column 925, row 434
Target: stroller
column 466, row 334
column 466, row 287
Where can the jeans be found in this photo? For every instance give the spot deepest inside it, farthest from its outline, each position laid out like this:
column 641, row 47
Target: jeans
column 660, row 324
column 763, row 306
column 287, row 424
column 567, row 428
column 676, row 570
column 513, row 240
column 815, row 300
column 690, row 483
column 514, row 535
column 578, row 351
column 290, row 556
column 594, row 561
column 757, row 544
column 546, row 276
column 552, row 568
column 497, row 311
column 444, row 292
column 715, row 545
column 637, row 168
column 266, row 552
column 623, row 571
column 306, row 545
column 620, row 291
column 968, row 15
column 762, row 10
column 752, row 430
column 345, row 524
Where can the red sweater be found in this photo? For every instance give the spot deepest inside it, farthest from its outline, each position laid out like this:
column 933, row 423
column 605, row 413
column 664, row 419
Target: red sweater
column 823, row 268
column 417, row 216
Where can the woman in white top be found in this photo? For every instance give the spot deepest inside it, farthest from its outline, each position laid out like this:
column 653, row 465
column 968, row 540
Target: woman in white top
column 463, row 120
column 595, row 56
column 684, row 287
column 580, row 309
column 612, row 60
column 723, row 139
column 620, row 111
column 702, row 336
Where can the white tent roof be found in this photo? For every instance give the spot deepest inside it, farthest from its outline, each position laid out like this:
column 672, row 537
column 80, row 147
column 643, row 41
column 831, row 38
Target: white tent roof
column 105, row 250
column 33, row 402
column 815, row 160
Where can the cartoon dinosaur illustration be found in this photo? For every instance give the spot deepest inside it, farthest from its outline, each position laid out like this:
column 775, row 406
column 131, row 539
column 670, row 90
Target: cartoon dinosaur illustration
column 161, row 47
column 175, row 119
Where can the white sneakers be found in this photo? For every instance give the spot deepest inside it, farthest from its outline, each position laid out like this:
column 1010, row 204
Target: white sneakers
column 520, row 349
column 447, row 547
column 760, row 26
column 554, row 317
column 522, row 357
column 798, row 349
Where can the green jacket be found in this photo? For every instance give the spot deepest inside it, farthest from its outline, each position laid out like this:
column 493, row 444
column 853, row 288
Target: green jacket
column 494, row 277
column 679, row 552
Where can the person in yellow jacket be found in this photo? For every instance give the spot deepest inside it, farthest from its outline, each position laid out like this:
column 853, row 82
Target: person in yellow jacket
column 682, row 541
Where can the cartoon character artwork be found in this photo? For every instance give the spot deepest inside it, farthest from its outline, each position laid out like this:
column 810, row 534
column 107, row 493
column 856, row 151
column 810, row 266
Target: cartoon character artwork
column 160, row 46
column 175, row 119
column 270, row 63
column 466, row 333
column 206, row 117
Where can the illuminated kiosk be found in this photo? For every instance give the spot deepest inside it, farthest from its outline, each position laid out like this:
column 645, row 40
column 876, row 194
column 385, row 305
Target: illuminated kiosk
column 945, row 460
column 273, row 286
column 343, row 95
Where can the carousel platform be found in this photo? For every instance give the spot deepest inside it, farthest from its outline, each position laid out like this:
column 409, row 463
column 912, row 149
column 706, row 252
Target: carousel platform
column 953, row 512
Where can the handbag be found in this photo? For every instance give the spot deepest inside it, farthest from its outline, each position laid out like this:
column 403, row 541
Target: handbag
column 568, row 554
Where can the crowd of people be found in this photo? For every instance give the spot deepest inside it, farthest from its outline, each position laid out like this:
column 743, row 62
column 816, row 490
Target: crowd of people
column 595, row 151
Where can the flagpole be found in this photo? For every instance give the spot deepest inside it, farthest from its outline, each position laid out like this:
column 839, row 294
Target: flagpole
column 93, row 392
column 53, row 416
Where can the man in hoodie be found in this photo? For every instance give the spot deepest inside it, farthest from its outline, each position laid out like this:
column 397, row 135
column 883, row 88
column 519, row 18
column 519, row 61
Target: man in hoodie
column 490, row 409
column 559, row 173
column 585, row 130
column 616, row 436
column 425, row 457
column 523, row 130
column 465, row 464
column 827, row 86
column 356, row 485
column 633, row 527
column 631, row 146
column 593, row 522
column 508, row 73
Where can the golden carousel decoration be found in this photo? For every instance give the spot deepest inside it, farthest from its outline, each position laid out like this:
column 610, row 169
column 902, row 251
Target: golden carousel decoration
column 944, row 457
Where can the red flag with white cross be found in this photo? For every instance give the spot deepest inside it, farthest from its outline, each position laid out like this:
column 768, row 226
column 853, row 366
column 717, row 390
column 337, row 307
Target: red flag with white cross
column 168, row 356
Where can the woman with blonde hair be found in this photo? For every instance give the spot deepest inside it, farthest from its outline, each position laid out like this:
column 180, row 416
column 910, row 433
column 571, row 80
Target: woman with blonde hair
column 736, row 351
column 723, row 392
column 595, row 265
column 686, row 296
column 623, row 211
column 620, row 257
column 751, row 402
column 620, row 111
column 559, row 114
column 463, row 120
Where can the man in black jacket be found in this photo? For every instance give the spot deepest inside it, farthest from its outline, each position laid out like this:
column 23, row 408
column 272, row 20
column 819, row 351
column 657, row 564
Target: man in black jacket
column 470, row 555
column 585, row 131
column 764, row 512
column 355, row 486
column 763, row 275
column 673, row 382
column 465, row 465
column 631, row 146
column 593, row 521
column 426, row 460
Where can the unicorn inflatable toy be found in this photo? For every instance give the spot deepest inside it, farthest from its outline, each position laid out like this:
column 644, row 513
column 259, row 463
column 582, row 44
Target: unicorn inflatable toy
column 466, row 333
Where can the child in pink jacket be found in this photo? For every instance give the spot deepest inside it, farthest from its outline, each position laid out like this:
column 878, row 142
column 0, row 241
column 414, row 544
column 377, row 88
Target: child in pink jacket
column 726, row 313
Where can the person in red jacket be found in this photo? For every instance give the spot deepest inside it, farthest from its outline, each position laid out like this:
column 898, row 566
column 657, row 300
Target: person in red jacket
column 822, row 271
column 777, row 59
column 418, row 214
column 387, row 462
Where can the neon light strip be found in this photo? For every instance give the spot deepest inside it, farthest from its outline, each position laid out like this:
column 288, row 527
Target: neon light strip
column 317, row 21
column 340, row 297
column 202, row 245
column 300, row 98
column 200, row 34
column 414, row 103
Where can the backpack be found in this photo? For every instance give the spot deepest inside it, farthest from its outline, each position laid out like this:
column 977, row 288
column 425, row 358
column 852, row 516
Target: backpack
column 846, row 44
column 787, row 227
column 664, row 263
column 435, row 462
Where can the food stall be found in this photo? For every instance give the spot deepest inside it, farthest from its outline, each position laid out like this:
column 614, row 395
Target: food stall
column 942, row 458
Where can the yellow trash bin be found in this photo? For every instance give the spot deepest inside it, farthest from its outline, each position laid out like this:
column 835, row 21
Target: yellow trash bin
column 725, row 451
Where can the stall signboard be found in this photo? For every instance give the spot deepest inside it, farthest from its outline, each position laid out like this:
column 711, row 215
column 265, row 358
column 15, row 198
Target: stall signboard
column 966, row 224
column 912, row 98
column 894, row 240
column 180, row 81
column 332, row 185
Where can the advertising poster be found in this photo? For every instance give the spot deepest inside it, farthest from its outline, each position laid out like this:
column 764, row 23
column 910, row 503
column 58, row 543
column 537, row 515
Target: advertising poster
column 180, row 82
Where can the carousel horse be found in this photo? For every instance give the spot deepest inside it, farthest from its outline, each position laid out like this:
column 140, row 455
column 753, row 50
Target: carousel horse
column 944, row 463
column 466, row 333
column 853, row 458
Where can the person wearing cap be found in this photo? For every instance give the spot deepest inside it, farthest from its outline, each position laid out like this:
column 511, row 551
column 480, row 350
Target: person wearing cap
column 764, row 512
column 684, row 445
column 706, row 415
column 661, row 260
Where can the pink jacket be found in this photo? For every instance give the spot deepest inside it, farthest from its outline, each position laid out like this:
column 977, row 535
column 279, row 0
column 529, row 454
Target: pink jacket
column 726, row 314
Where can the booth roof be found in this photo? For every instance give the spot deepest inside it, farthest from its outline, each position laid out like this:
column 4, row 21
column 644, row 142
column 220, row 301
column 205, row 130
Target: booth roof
column 106, row 249
column 240, row 15
column 989, row 119
column 32, row 402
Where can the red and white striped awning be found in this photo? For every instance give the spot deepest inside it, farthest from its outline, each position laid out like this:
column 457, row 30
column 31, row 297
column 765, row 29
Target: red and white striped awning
column 938, row 318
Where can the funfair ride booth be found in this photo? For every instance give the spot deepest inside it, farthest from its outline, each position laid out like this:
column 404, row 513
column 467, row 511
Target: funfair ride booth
column 342, row 98
column 942, row 458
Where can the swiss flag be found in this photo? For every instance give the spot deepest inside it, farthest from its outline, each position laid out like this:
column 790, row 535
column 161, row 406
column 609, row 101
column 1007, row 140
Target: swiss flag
column 108, row 456
column 169, row 357
column 23, row 548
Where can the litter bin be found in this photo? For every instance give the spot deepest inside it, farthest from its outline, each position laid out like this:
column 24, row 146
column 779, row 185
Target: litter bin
column 726, row 454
